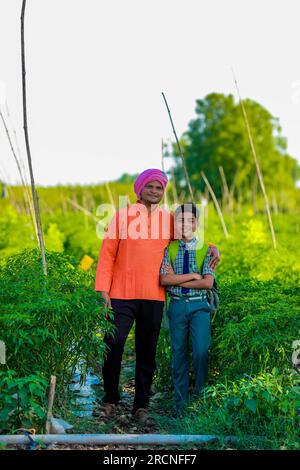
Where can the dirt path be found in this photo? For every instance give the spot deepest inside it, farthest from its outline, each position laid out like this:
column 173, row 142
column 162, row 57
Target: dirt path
column 84, row 415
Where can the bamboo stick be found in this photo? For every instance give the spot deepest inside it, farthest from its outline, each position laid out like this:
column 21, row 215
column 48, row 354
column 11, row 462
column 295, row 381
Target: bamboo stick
column 25, row 127
column 63, row 204
column 211, row 191
column 274, row 203
column 180, row 151
column 225, row 187
column 258, row 170
column 240, row 201
column 50, row 403
column 181, row 197
column 175, row 196
column 82, row 209
column 110, row 197
column 254, row 194
column 15, row 134
column 165, row 198
column 26, row 194
column 206, row 207
column 86, row 220
column 231, row 195
column 18, row 152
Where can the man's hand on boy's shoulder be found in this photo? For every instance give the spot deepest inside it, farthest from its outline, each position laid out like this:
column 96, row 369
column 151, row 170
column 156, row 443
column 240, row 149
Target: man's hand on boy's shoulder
column 215, row 254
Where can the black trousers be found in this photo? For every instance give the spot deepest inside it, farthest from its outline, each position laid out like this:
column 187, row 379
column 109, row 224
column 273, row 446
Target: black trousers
column 148, row 316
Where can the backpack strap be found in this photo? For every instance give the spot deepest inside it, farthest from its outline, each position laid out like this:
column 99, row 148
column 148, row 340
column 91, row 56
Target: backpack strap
column 200, row 252
column 173, row 250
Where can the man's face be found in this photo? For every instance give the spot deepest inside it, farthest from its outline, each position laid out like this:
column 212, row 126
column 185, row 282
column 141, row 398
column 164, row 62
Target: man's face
column 152, row 192
column 185, row 225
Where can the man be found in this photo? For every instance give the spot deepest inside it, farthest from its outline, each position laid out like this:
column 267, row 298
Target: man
column 128, row 279
column 189, row 310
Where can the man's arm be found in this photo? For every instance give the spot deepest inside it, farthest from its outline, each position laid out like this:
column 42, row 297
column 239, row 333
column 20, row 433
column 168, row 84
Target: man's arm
column 106, row 260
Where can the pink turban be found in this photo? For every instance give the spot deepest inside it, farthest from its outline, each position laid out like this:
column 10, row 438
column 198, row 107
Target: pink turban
column 149, row 175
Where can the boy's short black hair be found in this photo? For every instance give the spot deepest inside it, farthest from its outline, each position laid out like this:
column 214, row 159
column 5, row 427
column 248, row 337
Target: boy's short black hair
column 187, row 207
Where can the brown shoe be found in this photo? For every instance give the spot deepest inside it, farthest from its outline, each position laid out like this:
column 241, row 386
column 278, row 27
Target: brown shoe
column 142, row 417
column 106, row 410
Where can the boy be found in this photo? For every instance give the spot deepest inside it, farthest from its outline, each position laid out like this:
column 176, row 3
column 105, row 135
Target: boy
column 189, row 310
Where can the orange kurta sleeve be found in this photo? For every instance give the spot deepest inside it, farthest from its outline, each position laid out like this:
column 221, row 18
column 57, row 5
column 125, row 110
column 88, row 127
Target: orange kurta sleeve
column 107, row 256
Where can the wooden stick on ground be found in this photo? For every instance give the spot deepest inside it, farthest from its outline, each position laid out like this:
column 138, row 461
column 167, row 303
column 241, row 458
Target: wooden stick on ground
column 50, row 403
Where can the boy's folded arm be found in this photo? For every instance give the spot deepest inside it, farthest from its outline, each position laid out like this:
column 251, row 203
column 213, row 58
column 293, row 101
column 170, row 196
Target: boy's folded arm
column 175, row 279
column 205, row 283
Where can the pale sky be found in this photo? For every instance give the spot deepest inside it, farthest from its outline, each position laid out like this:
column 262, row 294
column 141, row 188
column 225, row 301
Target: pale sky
column 96, row 69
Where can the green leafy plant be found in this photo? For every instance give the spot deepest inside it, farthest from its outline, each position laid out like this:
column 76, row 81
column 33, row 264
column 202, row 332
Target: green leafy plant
column 50, row 323
column 22, row 400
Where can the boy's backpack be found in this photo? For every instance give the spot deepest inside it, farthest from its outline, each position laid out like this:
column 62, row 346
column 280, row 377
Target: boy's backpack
column 213, row 293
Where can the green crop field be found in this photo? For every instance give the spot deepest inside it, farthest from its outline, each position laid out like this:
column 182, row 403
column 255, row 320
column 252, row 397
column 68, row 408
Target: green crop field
column 55, row 323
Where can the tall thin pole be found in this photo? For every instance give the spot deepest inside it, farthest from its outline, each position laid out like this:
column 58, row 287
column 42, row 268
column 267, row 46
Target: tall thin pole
column 110, row 196
column 175, row 197
column 258, row 170
column 179, row 150
column 163, row 169
column 25, row 127
column 225, row 186
column 211, row 191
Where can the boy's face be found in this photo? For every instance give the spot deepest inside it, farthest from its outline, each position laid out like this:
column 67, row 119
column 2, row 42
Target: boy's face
column 185, row 225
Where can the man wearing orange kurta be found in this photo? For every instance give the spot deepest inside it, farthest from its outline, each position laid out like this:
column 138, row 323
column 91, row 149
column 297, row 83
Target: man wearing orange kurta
column 128, row 279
